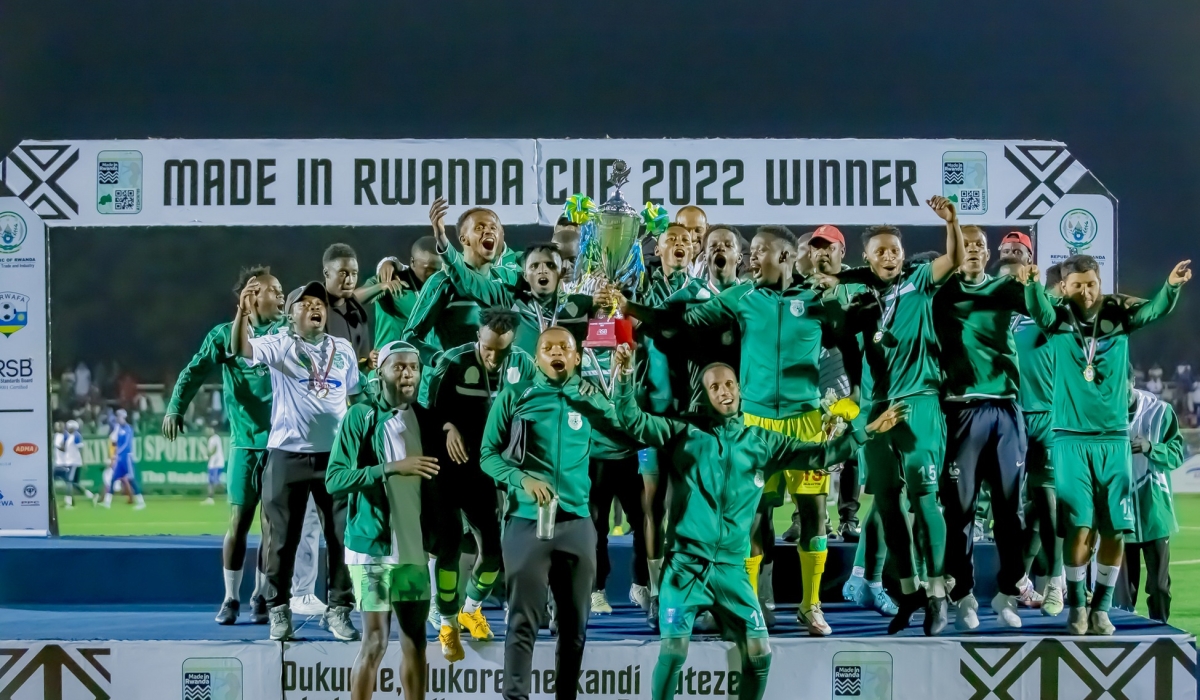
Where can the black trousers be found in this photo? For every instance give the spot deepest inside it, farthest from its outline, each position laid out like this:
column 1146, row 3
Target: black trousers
column 619, row 479
column 849, row 491
column 463, row 490
column 1157, row 554
column 985, row 443
column 567, row 564
column 288, row 480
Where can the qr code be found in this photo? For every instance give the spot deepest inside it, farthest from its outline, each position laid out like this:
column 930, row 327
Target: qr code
column 970, row 201
column 952, row 172
column 124, row 200
column 108, row 172
column 197, row 686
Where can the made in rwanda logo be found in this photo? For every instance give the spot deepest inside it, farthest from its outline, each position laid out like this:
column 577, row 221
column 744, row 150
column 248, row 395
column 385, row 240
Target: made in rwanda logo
column 14, row 312
column 12, row 232
column 1078, row 229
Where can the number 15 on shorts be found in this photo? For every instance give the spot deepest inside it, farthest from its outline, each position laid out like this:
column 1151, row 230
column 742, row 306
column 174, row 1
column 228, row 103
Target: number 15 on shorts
column 928, row 474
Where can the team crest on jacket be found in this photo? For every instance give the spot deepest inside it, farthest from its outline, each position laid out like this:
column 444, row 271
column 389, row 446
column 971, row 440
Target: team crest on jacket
column 471, row 376
column 759, row 479
column 727, row 338
column 513, row 375
column 575, row 420
column 797, row 308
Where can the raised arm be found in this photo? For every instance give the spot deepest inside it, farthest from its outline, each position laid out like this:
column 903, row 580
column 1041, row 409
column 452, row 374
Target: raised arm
column 650, row 430
column 945, row 265
column 239, row 334
column 426, row 310
column 1164, row 301
column 1038, row 303
column 483, row 290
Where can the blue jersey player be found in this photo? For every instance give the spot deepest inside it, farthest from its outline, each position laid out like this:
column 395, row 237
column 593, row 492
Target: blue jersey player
column 122, row 463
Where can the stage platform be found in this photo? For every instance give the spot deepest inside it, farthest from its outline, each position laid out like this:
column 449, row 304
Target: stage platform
column 187, row 570
column 133, row 618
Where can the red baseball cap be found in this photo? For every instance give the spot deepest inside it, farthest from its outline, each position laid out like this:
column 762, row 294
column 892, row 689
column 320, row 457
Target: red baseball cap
column 1018, row 237
column 829, row 233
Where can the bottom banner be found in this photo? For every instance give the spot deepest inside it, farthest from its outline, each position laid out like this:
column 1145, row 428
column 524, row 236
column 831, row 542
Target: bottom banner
column 142, row 670
column 877, row 669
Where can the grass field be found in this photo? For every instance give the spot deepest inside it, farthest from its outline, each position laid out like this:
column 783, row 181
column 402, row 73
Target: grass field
column 178, row 515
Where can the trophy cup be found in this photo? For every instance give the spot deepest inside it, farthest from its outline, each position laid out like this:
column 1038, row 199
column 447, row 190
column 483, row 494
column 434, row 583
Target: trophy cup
column 611, row 253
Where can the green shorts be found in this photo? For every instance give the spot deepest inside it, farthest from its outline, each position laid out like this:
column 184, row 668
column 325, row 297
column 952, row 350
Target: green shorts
column 690, row 584
column 1039, row 467
column 378, row 586
column 909, row 455
column 245, row 469
column 1093, row 475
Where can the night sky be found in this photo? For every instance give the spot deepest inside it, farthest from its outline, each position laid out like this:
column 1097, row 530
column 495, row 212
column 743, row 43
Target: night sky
column 1117, row 81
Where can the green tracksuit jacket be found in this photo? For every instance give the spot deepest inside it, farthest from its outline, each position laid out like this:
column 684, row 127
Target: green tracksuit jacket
column 1153, row 502
column 246, row 390
column 569, row 311
column 542, row 429
column 443, row 318
column 717, row 470
column 355, row 470
column 393, row 309
column 461, row 392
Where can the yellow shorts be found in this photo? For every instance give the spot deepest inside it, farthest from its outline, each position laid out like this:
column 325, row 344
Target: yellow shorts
column 806, row 427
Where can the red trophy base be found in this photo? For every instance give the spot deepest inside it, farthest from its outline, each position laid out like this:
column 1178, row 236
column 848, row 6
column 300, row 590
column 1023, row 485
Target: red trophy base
column 609, row 332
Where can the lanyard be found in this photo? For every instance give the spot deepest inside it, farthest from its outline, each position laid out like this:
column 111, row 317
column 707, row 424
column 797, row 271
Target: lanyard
column 606, row 387
column 542, row 325
column 322, row 382
column 487, row 381
column 888, row 311
column 1089, row 345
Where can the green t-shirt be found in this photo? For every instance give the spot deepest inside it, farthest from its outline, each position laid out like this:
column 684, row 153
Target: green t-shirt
column 974, row 324
column 393, row 309
column 905, row 364
column 1035, row 357
column 1100, row 405
column 246, row 390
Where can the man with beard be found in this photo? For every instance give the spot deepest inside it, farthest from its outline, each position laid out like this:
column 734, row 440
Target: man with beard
column 380, row 463
column 900, row 349
column 396, row 287
column 313, row 376
column 1035, row 361
column 443, row 318
column 566, row 237
column 804, row 264
column 1089, row 332
column 717, row 465
column 464, row 384
column 783, row 328
column 247, row 400
column 536, row 443
column 973, row 315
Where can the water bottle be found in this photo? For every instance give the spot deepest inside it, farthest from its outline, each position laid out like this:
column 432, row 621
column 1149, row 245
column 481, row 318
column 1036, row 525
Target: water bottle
column 545, row 520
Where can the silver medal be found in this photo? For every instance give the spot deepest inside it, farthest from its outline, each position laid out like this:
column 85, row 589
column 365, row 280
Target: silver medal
column 878, row 336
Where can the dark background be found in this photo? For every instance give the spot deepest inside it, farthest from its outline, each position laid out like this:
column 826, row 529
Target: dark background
column 1116, row 81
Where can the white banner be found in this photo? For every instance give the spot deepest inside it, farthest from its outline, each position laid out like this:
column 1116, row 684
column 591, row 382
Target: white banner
column 379, row 183
column 141, row 670
column 25, row 450
column 270, row 182
column 1081, row 224
column 827, row 669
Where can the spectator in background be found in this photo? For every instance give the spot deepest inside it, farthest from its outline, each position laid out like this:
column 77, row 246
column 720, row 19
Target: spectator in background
column 68, row 460
column 1183, row 376
column 1158, row 449
column 1154, row 381
column 83, row 383
column 1194, row 398
column 1139, row 376
column 216, row 462
column 347, row 316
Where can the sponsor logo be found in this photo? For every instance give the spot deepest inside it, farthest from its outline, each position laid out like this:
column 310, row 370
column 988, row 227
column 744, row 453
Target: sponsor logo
column 1144, row 669
column 1078, row 229
column 862, row 674
column 119, row 182
column 34, row 171
column 5, row 503
column 575, row 420
column 964, row 181
column 212, row 679
column 1049, row 171
column 45, row 673
column 25, row 448
column 13, row 232
column 30, row 491
column 14, row 312
column 16, row 372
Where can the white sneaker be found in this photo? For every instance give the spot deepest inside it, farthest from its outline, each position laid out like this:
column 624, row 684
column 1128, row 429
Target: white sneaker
column 966, row 614
column 1005, row 607
column 600, row 604
column 1029, row 597
column 208, row 502
column 1099, row 624
column 1077, row 621
column 308, row 605
column 640, row 595
column 140, row 505
column 814, row 621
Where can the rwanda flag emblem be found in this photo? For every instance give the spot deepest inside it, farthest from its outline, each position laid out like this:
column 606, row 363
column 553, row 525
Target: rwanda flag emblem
column 14, row 312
